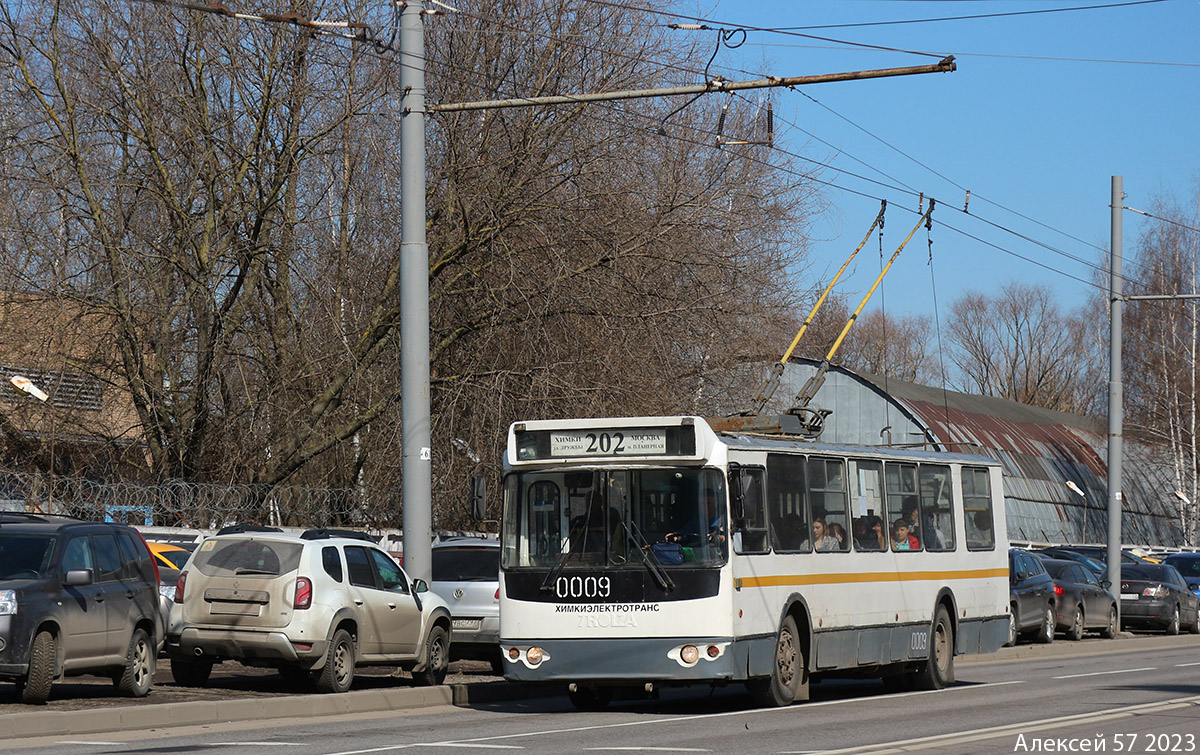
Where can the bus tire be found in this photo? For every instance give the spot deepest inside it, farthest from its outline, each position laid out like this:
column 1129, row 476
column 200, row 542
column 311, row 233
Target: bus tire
column 938, row 671
column 788, row 681
column 589, row 698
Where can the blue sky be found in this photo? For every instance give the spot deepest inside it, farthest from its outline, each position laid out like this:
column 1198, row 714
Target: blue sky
column 1038, row 136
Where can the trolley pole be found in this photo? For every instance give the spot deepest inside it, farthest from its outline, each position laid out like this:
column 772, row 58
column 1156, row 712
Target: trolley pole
column 416, row 446
column 1115, row 398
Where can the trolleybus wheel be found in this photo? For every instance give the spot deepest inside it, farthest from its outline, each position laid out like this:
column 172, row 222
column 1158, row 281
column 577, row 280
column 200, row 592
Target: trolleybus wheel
column 938, row 671
column 787, row 682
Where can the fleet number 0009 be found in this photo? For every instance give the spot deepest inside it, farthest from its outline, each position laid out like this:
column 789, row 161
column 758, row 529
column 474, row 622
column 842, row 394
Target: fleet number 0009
column 583, row 587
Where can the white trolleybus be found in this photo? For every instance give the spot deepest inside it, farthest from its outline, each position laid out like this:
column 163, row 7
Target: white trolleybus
column 653, row 551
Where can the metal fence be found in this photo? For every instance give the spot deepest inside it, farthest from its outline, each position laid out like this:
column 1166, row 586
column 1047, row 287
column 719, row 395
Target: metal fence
column 176, row 503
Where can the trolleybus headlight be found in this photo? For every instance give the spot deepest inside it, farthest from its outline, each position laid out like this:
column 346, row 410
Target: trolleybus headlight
column 713, row 651
column 514, row 653
column 689, row 654
column 534, row 656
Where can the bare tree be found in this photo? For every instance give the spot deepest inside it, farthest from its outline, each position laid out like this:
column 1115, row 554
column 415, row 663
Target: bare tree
column 224, row 196
column 1162, row 341
column 1018, row 345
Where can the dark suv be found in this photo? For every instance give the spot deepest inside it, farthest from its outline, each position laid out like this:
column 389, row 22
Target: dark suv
column 1031, row 597
column 76, row 598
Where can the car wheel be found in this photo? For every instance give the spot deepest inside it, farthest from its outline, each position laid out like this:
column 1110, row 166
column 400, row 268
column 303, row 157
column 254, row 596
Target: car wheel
column 1110, row 631
column 190, row 673
column 787, row 683
column 938, row 671
column 1173, row 626
column 1012, row 627
column 338, row 672
column 437, row 659
column 590, row 698
column 1076, row 631
column 42, row 658
column 1046, row 632
column 138, row 675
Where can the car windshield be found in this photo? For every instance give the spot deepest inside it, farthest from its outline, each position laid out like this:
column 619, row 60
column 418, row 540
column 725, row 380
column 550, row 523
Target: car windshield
column 468, row 563
column 247, row 557
column 665, row 517
column 1144, row 573
column 1188, row 567
column 1056, row 570
column 25, row 556
column 177, row 558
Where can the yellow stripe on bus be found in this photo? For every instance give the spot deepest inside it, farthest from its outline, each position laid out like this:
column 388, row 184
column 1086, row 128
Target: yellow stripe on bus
column 785, row 580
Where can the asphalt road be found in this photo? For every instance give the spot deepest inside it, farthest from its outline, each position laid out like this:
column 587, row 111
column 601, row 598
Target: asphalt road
column 1130, row 696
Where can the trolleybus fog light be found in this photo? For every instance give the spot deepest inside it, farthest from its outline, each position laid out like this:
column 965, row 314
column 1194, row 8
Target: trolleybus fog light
column 514, row 653
column 713, row 651
column 534, row 656
column 689, row 654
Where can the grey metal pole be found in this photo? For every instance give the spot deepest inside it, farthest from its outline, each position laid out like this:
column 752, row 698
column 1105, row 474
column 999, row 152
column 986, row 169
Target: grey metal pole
column 1115, row 402
column 416, row 453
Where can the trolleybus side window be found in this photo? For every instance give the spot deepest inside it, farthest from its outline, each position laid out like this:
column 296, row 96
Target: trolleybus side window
column 750, row 518
column 829, row 530
column 866, row 491
column 936, row 527
column 785, row 498
column 902, row 503
column 977, row 508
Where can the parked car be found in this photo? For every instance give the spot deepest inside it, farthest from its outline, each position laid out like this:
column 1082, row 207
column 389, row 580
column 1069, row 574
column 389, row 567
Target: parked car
column 466, row 574
column 1188, row 565
column 1082, row 601
column 321, row 603
column 1099, row 553
column 1095, row 567
column 1157, row 595
column 169, row 556
column 76, row 598
column 1031, row 597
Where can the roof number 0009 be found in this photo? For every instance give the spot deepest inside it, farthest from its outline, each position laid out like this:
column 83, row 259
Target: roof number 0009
column 583, row 587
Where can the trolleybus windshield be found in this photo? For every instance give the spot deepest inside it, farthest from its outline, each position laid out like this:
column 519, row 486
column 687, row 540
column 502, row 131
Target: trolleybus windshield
column 670, row 516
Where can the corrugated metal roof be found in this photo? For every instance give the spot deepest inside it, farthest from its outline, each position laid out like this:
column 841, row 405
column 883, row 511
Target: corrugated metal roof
column 1040, row 450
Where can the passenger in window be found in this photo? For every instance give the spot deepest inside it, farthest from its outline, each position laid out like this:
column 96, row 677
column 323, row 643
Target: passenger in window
column 923, row 528
column 838, row 532
column 821, row 539
column 901, row 539
column 868, row 534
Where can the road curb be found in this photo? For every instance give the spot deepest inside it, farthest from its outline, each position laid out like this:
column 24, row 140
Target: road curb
column 200, row 712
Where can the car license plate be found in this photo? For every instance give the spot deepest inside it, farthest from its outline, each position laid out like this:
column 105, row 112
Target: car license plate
column 466, row 623
column 1129, row 596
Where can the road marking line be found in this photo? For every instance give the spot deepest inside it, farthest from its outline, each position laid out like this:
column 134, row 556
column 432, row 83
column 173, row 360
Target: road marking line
column 87, row 742
column 1182, row 665
column 252, row 744
column 1103, row 673
column 1023, row 727
column 647, row 749
column 795, row 710
column 475, row 746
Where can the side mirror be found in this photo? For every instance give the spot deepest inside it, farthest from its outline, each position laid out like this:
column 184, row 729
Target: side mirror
column 1105, row 584
column 78, row 577
column 478, row 498
column 420, row 586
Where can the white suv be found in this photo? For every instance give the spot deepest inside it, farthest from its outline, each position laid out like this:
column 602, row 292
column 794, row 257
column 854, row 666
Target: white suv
column 323, row 602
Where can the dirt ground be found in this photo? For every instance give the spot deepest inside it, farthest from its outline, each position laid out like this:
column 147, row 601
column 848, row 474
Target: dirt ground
column 230, row 680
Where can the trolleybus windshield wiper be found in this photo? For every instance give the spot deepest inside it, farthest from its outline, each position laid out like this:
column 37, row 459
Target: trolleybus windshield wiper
column 552, row 577
column 660, row 575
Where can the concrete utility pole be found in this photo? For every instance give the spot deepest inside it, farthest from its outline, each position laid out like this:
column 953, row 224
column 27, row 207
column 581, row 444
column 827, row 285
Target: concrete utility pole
column 1115, row 398
column 416, row 451
column 415, row 443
